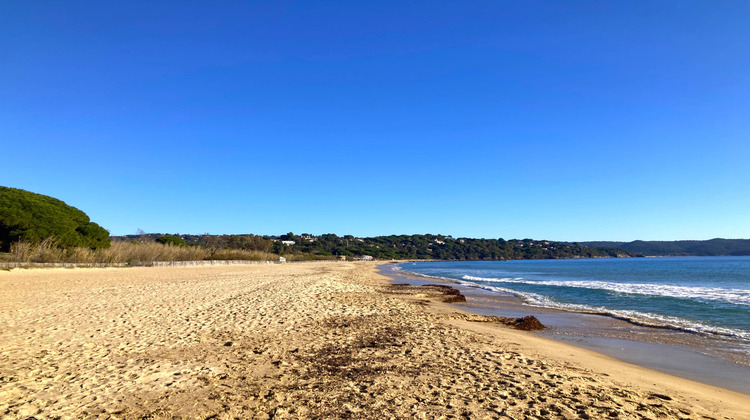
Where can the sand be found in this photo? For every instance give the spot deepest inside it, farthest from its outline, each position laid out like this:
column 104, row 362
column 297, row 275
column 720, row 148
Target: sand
column 309, row 340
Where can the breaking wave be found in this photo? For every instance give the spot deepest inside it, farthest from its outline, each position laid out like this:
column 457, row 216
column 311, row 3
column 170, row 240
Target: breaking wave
column 636, row 317
column 733, row 296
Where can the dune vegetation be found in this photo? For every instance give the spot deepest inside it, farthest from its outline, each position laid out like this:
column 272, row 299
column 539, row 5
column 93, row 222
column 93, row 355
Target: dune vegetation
column 49, row 251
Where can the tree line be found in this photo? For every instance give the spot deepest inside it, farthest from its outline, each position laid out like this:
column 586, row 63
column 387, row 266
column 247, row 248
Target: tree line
column 34, row 218
column 439, row 247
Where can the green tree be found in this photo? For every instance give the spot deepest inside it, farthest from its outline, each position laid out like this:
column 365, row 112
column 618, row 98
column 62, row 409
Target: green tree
column 26, row 216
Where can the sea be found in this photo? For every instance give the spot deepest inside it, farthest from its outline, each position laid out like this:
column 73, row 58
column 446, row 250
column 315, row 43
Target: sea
column 702, row 295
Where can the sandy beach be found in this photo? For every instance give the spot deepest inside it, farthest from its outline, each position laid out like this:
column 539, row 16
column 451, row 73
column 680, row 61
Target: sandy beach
column 307, row 340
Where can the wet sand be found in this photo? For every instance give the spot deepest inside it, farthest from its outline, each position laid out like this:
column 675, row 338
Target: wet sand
column 313, row 340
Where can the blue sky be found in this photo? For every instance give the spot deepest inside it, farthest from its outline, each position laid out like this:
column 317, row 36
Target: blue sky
column 545, row 119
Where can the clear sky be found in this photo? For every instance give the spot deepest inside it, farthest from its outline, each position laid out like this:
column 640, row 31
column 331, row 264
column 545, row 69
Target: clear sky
column 559, row 120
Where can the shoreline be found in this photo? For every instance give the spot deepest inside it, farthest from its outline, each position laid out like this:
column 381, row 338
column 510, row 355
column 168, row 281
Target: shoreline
column 308, row 340
column 682, row 353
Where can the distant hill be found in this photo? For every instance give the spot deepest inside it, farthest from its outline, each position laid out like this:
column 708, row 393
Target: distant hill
column 438, row 247
column 27, row 216
column 712, row 247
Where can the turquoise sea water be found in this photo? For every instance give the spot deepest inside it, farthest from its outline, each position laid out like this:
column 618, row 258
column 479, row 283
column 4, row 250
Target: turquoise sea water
column 707, row 295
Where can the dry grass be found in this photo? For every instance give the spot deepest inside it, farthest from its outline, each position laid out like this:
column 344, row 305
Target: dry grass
column 308, row 257
column 45, row 251
column 241, row 254
column 126, row 252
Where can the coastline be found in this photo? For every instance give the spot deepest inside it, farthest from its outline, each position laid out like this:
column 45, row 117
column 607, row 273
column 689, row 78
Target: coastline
column 299, row 341
column 709, row 360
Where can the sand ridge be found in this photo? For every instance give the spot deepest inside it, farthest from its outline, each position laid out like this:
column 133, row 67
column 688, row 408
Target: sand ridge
column 313, row 340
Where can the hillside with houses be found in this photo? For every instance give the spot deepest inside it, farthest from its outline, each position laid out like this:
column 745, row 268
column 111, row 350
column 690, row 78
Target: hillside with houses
column 439, row 247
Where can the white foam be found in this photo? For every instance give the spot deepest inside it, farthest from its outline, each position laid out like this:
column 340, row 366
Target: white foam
column 733, row 296
column 534, row 299
column 432, row 277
